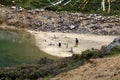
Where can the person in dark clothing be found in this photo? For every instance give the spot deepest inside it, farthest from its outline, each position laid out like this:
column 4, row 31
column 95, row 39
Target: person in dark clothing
column 76, row 42
column 59, row 44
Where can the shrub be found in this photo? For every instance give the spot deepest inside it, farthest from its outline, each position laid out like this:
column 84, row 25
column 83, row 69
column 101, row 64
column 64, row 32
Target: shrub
column 114, row 52
column 93, row 53
column 45, row 60
column 50, row 68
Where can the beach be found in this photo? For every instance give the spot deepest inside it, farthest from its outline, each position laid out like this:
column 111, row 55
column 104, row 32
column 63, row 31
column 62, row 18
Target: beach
column 48, row 42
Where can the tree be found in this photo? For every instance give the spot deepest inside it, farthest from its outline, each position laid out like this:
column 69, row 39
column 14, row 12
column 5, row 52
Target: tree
column 103, row 5
column 108, row 6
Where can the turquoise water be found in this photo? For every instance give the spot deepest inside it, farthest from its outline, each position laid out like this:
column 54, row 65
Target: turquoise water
column 17, row 48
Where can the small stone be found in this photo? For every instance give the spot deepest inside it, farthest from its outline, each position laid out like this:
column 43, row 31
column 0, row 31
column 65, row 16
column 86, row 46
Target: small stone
column 72, row 27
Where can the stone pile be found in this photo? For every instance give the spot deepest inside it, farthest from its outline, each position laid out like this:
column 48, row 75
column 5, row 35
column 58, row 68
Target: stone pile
column 61, row 21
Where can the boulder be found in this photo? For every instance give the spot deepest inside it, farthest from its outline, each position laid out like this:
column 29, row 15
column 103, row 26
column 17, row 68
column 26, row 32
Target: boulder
column 72, row 26
column 114, row 43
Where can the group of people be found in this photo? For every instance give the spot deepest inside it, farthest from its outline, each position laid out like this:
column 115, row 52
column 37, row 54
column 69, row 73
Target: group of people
column 76, row 43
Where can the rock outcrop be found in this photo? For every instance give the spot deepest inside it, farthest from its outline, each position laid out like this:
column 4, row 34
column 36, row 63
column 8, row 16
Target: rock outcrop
column 61, row 21
column 115, row 42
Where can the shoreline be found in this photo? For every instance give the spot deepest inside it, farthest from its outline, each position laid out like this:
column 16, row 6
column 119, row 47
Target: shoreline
column 48, row 42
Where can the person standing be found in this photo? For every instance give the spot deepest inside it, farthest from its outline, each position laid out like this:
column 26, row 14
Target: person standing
column 76, row 42
column 59, row 44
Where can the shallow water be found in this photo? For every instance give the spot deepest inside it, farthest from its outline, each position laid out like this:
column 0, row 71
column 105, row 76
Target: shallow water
column 17, row 48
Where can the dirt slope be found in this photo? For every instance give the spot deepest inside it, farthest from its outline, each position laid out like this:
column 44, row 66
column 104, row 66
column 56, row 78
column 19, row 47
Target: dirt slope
column 98, row 69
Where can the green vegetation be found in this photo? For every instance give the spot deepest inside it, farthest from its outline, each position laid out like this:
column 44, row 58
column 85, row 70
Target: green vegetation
column 17, row 47
column 114, row 52
column 96, row 53
column 93, row 53
column 93, row 6
column 43, row 70
column 48, row 68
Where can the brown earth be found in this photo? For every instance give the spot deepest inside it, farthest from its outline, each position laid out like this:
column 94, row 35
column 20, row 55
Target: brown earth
column 95, row 69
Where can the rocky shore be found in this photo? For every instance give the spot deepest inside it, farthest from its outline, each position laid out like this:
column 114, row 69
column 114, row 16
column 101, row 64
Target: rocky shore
column 39, row 20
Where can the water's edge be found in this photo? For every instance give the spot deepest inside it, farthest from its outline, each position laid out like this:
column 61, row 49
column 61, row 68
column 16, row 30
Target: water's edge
column 18, row 47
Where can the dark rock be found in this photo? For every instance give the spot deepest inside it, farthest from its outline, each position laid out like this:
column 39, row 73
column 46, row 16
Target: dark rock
column 95, row 27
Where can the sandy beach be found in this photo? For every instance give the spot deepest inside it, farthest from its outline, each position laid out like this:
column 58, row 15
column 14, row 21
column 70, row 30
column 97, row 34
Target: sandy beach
column 48, row 42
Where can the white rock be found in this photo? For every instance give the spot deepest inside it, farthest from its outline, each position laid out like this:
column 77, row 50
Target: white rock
column 72, row 27
column 13, row 7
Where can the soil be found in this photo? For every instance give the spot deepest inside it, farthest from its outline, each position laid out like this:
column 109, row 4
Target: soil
column 95, row 69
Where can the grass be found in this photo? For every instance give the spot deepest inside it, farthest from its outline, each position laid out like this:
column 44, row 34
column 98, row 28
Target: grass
column 114, row 52
column 93, row 6
column 48, row 68
column 96, row 53
column 44, row 71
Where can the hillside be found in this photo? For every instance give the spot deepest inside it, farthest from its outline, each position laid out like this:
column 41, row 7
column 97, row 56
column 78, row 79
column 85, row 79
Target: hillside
column 98, row 30
column 60, row 21
column 85, row 6
column 70, row 68
column 98, row 69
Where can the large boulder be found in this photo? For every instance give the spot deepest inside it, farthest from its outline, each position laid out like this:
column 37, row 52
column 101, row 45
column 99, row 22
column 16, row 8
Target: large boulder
column 115, row 42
